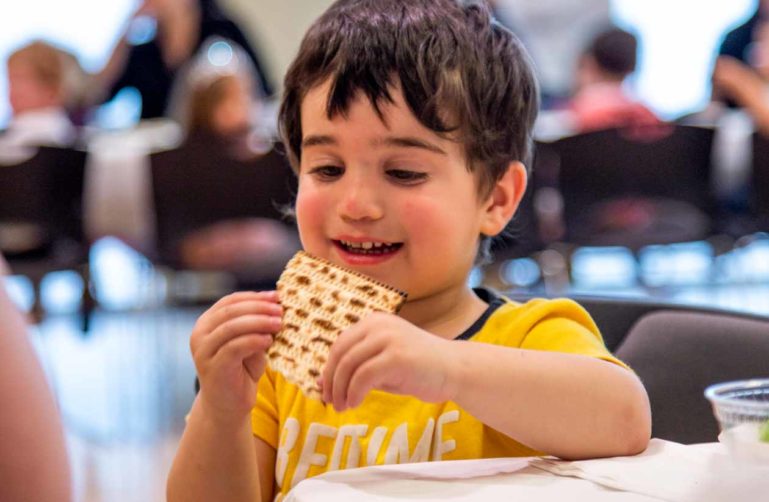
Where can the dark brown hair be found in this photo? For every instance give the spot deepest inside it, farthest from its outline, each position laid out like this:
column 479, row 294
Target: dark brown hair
column 614, row 51
column 461, row 74
column 205, row 98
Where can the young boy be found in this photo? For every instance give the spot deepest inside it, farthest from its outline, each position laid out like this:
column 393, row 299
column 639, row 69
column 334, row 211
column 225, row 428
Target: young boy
column 406, row 121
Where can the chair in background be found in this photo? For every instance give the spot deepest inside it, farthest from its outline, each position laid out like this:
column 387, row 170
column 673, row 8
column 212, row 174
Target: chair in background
column 197, row 185
column 41, row 219
column 678, row 354
column 633, row 187
column 615, row 316
column 759, row 202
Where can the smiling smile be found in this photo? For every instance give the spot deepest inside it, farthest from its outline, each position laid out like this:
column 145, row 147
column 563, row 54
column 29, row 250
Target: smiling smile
column 366, row 252
column 369, row 248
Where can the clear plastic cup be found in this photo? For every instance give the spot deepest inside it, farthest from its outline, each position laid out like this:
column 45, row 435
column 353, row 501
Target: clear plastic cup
column 742, row 411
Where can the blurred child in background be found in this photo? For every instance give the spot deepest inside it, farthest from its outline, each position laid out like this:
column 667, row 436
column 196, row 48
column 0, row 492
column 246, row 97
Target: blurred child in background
column 220, row 110
column 601, row 100
column 219, row 105
column 40, row 86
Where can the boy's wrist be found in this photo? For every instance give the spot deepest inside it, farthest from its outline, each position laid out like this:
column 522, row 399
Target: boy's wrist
column 454, row 370
column 205, row 411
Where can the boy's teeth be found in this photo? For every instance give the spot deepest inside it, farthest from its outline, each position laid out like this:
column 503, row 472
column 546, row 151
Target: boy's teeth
column 364, row 245
column 367, row 247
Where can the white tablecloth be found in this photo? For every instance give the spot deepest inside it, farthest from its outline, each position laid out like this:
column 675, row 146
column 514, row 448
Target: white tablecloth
column 118, row 187
column 666, row 471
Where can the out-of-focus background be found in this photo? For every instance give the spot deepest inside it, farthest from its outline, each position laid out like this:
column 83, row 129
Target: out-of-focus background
column 141, row 179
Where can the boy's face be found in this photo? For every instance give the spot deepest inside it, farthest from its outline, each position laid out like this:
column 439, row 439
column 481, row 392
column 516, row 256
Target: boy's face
column 390, row 199
column 25, row 90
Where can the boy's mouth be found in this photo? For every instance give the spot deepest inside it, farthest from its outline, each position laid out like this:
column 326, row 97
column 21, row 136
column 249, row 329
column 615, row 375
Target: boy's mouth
column 368, row 248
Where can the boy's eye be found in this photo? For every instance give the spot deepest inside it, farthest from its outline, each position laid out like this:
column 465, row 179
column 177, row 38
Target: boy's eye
column 405, row 176
column 327, row 173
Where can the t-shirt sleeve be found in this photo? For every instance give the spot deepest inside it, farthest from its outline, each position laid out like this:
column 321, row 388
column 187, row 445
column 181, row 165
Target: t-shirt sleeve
column 565, row 326
column 264, row 415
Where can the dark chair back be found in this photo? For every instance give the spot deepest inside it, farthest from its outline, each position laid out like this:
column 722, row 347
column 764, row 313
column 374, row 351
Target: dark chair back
column 633, row 187
column 43, row 196
column 45, row 192
column 678, row 354
column 200, row 183
column 615, row 316
column 759, row 202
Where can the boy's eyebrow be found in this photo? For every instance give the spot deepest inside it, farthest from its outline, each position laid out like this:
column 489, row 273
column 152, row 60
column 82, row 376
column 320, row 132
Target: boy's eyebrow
column 398, row 141
column 411, row 142
column 318, row 140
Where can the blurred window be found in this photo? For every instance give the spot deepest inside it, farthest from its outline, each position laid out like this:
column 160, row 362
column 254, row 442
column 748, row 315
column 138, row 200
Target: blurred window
column 678, row 41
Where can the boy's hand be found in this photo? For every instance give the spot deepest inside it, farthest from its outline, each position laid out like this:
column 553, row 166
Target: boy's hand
column 386, row 352
column 228, row 345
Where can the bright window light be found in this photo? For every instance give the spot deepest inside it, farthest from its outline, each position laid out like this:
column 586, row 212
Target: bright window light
column 678, row 41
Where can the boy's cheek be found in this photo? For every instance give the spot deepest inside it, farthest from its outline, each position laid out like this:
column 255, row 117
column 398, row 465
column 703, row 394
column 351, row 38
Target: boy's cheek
column 311, row 211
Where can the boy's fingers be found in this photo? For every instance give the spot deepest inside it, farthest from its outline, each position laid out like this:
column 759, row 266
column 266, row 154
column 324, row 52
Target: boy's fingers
column 234, row 298
column 216, row 314
column 242, row 308
column 344, row 342
column 254, row 365
column 225, row 333
column 244, row 348
column 368, row 376
column 339, row 380
column 241, row 296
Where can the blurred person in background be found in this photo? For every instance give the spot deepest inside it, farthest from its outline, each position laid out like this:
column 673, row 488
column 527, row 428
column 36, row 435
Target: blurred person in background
column 602, row 99
column 160, row 38
column 215, row 101
column 745, row 83
column 41, row 85
column 737, row 43
column 553, row 31
column 33, row 457
column 220, row 105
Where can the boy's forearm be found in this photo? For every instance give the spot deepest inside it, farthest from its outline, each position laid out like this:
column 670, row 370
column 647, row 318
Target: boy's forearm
column 215, row 461
column 565, row 405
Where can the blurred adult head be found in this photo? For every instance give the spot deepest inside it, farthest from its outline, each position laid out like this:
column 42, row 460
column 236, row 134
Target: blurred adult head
column 610, row 57
column 37, row 77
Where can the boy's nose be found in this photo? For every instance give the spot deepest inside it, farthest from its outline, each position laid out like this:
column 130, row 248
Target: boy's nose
column 360, row 202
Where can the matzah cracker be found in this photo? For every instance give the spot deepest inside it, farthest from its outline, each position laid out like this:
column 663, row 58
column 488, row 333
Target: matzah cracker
column 320, row 300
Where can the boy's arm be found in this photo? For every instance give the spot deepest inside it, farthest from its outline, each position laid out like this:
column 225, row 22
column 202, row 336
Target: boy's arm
column 567, row 405
column 220, row 460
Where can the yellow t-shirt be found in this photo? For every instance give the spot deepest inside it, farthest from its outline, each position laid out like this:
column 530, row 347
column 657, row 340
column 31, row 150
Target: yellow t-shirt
column 312, row 438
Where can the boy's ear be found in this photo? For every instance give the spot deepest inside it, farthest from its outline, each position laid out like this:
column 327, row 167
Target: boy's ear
column 504, row 199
